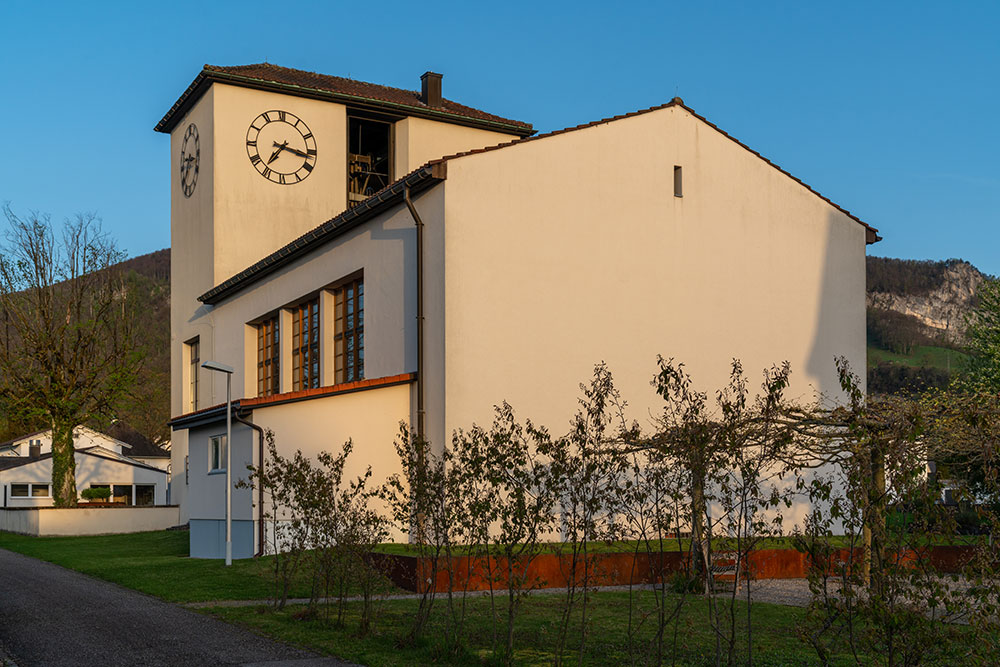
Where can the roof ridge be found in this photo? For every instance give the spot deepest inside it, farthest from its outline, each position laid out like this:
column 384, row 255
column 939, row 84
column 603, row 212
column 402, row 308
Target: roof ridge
column 363, row 94
column 871, row 237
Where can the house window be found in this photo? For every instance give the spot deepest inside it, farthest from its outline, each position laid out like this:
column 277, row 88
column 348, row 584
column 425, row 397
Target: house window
column 305, row 346
column 194, row 353
column 349, row 331
column 121, row 493
column 39, row 490
column 144, row 495
column 369, row 158
column 18, row 490
column 217, row 453
column 678, row 181
column 268, row 351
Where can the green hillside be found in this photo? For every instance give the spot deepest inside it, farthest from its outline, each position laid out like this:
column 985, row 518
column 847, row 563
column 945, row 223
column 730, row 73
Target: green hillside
column 922, row 356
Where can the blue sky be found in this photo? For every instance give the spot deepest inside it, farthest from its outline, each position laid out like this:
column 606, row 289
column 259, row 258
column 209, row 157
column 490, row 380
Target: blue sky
column 890, row 109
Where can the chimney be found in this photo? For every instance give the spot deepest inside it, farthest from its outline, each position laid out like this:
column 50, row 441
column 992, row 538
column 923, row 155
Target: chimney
column 34, row 449
column 430, row 89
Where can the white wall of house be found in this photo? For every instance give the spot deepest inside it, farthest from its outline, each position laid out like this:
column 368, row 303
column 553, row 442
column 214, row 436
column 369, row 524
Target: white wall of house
column 90, row 470
column 566, row 251
column 83, row 438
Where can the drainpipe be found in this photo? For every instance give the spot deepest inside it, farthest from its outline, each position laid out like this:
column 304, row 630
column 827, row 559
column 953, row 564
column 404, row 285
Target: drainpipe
column 260, row 487
column 420, row 309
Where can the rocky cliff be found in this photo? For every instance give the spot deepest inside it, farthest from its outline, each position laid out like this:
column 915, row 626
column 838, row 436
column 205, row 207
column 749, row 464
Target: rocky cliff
column 938, row 295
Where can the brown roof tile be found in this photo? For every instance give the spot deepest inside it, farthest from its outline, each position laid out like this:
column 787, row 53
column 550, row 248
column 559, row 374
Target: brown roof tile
column 347, row 90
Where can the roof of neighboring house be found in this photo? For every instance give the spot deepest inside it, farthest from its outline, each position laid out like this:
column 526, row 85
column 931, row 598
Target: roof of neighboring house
column 10, row 442
column 432, row 173
column 141, row 446
column 97, row 451
column 372, row 96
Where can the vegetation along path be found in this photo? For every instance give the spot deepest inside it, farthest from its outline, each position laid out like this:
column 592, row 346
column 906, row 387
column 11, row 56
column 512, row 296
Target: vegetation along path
column 52, row 616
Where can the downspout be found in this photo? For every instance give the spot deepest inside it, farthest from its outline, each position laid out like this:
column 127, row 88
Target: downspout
column 260, row 487
column 420, row 309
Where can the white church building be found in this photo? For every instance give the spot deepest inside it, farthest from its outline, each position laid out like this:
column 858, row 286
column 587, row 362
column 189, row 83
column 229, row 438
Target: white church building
column 362, row 255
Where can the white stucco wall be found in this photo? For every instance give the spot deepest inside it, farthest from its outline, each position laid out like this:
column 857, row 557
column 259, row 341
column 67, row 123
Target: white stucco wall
column 566, row 251
column 419, row 140
column 90, row 470
column 51, row 521
column 369, row 418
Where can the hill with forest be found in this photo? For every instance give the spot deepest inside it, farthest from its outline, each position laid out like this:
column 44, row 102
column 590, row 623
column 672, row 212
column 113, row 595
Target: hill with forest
column 147, row 408
column 916, row 319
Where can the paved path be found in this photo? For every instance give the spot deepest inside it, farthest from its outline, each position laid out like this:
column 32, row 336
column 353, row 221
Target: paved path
column 54, row 617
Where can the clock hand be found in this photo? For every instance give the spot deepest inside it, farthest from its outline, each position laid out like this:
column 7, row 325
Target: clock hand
column 296, row 151
column 277, row 151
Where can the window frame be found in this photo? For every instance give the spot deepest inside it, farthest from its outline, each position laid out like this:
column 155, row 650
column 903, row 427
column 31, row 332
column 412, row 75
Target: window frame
column 27, row 490
column 213, row 441
column 346, row 356
column 307, row 365
column 269, row 356
column 47, row 494
column 194, row 363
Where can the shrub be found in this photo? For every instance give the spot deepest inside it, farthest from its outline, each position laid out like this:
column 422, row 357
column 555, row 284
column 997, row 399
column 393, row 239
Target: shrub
column 96, row 493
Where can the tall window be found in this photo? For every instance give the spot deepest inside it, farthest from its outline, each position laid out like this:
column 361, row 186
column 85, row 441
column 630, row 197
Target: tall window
column 217, row 453
column 305, row 346
column 349, row 331
column 195, row 355
column 268, row 351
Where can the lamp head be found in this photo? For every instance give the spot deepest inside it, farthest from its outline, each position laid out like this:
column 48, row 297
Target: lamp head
column 216, row 366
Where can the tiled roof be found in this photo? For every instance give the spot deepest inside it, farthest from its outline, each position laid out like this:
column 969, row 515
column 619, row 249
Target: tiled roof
column 141, row 446
column 9, row 462
column 310, row 84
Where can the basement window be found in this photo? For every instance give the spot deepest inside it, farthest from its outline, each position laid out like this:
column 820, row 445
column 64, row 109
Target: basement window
column 369, row 158
column 678, row 181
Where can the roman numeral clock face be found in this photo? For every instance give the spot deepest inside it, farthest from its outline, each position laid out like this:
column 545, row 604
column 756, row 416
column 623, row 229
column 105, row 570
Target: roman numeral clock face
column 190, row 156
column 281, row 147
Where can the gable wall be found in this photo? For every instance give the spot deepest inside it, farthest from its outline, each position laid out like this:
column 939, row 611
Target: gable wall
column 566, row 251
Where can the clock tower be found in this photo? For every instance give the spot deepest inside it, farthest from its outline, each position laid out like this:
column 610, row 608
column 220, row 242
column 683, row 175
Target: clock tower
column 263, row 154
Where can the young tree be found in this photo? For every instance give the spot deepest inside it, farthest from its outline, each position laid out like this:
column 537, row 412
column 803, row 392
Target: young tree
column 68, row 346
column 983, row 334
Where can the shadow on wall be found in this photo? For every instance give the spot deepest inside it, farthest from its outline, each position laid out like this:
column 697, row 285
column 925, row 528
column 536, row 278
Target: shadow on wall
column 840, row 323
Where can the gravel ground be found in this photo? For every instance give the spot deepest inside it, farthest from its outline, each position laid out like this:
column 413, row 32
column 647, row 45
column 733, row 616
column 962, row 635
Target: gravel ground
column 53, row 617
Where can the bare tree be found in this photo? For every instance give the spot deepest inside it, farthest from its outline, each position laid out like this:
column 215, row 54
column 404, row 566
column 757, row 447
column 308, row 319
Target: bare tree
column 68, row 350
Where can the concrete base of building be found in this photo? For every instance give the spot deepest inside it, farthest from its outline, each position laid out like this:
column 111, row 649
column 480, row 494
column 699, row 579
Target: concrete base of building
column 208, row 538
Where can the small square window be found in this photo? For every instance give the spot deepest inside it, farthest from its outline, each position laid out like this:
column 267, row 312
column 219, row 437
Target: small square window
column 18, row 490
column 217, row 453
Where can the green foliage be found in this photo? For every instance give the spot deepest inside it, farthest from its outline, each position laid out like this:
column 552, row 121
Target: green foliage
column 983, row 334
column 906, row 277
column 96, row 493
column 895, row 331
column 321, row 525
column 889, row 378
column 68, row 350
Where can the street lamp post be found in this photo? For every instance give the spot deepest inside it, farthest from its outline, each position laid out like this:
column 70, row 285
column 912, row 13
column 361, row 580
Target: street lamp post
column 228, row 370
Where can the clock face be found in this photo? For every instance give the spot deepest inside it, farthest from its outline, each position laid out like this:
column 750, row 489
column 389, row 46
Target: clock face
column 281, row 147
column 190, row 156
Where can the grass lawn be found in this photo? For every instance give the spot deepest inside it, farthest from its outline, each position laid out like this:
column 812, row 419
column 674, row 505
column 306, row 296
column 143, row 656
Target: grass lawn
column 775, row 637
column 154, row 563
column 922, row 355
